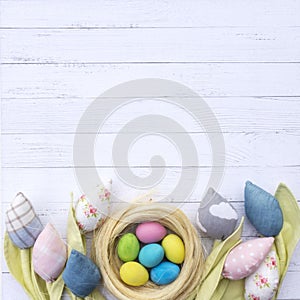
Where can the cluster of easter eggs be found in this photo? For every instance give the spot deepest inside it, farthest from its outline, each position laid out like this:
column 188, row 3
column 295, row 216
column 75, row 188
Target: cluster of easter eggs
column 150, row 253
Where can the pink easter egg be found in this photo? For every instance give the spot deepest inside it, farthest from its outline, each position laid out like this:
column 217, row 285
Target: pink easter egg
column 150, row 232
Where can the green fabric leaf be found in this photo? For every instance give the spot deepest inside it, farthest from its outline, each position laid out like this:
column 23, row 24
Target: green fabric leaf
column 212, row 275
column 289, row 236
column 75, row 239
column 56, row 288
column 40, row 285
column 95, row 295
column 19, row 263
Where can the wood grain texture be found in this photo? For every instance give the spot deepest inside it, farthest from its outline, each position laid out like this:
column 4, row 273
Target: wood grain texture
column 153, row 13
column 242, row 57
column 238, row 44
column 56, row 183
column 235, row 114
column 207, row 79
column 242, row 149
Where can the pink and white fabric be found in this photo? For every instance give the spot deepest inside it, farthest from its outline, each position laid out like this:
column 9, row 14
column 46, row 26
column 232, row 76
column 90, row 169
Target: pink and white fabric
column 88, row 212
column 263, row 283
column 87, row 215
column 49, row 254
column 244, row 259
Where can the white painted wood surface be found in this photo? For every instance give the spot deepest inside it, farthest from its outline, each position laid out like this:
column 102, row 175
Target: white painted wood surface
column 242, row 57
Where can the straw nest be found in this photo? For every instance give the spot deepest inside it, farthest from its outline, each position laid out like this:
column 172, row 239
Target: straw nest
column 105, row 255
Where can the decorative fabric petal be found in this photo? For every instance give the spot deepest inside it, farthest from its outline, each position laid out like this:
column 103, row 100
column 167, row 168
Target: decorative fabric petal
column 87, row 215
column 216, row 217
column 81, row 275
column 22, row 223
column 263, row 210
column 49, row 254
column 88, row 211
column 263, row 283
column 246, row 258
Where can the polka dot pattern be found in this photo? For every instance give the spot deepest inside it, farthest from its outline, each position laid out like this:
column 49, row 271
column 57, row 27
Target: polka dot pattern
column 245, row 258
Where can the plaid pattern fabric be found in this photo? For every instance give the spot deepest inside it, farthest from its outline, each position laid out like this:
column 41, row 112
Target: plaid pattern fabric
column 19, row 214
column 22, row 224
column 49, row 254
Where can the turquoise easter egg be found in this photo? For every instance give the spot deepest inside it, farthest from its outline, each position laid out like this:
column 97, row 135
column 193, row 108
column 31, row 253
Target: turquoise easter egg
column 151, row 255
column 165, row 273
column 128, row 247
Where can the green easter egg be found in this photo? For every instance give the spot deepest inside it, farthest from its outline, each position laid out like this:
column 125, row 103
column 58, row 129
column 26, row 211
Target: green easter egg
column 128, row 247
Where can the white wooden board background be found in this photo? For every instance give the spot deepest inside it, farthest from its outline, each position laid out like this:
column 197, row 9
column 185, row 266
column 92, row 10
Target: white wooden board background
column 242, row 57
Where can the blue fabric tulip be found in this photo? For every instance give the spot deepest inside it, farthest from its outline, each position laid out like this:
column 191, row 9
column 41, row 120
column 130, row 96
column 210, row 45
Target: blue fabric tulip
column 263, row 210
column 81, row 275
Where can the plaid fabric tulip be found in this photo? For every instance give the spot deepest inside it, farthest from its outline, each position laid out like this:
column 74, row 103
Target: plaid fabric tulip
column 22, row 224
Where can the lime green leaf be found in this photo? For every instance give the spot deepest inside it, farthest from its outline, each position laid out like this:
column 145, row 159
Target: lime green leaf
column 75, row 239
column 95, row 295
column 289, row 235
column 19, row 263
column 56, row 288
column 212, row 274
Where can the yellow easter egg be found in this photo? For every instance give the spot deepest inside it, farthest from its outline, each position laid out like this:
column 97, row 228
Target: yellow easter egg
column 134, row 274
column 174, row 248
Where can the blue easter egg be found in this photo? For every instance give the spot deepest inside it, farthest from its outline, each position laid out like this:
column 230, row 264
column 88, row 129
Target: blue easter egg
column 165, row 273
column 151, row 255
column 263, row 210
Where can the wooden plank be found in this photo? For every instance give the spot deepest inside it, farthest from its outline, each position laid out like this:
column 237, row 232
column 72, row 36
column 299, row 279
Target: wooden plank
column 234, row 114
column 242, row 149
column 154, row 13
column 45, row 186
column 151, row 45
column 90, row 80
